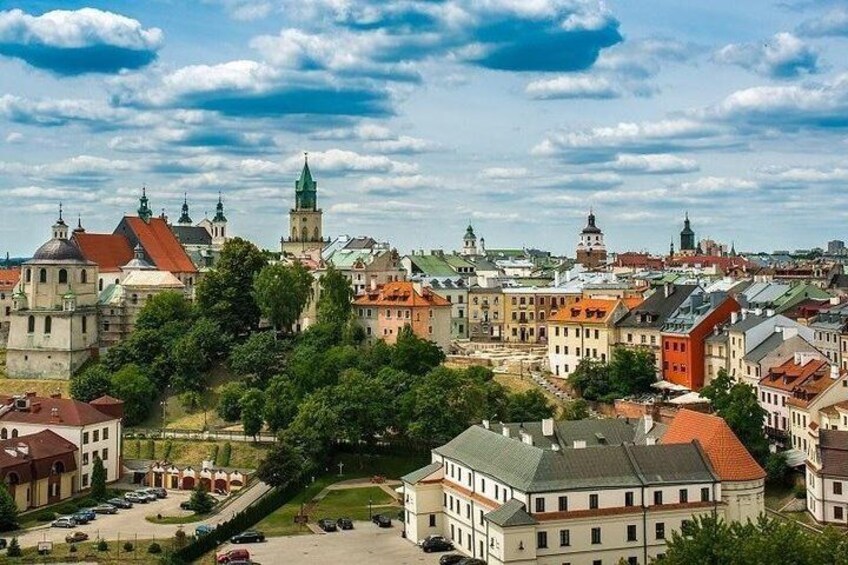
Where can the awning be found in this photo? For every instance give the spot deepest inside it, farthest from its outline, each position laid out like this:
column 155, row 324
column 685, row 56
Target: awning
column 666, row 385
column 795, row 457
column 689, row 398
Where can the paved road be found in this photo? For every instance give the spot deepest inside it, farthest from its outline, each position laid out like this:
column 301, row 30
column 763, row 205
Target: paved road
column 130, row 523
column 366, row 543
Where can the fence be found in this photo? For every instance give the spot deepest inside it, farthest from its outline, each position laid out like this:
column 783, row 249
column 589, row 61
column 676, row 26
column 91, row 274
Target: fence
column 158, row 433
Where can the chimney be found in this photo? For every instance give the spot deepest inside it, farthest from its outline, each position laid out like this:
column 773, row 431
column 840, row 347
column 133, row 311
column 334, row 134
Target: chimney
column 526, row 438
column 649, row 423
column 668, row 289
column 54, row 416
column 579, row 443
column 650, row 441
column 556, row 277
column 486, row 424
column 834, row 372
column 505, row 430
column 769, row 312
column 715, row 330
column 548, row 427
column 758, row 311
column 744, row 314
column 834, row 300
column 797, row 359
column 554, row 447
column 23, row 449
column 734, row 317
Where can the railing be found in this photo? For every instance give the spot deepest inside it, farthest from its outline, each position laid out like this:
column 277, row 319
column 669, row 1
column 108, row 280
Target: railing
column 195, row 435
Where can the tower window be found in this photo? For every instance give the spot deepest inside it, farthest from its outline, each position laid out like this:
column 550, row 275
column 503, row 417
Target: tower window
column 31, row 324
column 42, row 275
column 83, row 276
column 63, row 276
column 48, row 325
column 29, row 275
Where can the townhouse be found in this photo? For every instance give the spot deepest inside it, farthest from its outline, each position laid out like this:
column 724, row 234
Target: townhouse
column 828, row 326
column 485, row 313
column 780, row 384
column 38, row 469
column 805, row 408
column 827, row 478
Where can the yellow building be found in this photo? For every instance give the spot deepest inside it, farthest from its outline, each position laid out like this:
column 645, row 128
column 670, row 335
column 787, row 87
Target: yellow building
column 38, row 469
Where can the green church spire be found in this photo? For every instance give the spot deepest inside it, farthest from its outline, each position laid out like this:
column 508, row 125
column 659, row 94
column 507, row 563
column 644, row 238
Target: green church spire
column 219, row 210
column 306, row 189
column 144, row 211
column 185, row 219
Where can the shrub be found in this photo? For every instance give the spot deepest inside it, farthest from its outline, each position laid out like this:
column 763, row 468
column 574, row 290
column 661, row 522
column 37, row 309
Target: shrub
column 128, row 547
column 46, row 516
column 102, row 545
column 213, row 456
column 180, row 538
column 166, row 453
column 149, row 450
column 67, row 508
column 226, row 452
column 87, row 502
column 73, row 548
column 154, row 548
column 14, row 549
column 800, row 490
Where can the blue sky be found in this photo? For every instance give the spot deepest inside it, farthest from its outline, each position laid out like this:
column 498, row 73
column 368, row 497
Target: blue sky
column 422, row 115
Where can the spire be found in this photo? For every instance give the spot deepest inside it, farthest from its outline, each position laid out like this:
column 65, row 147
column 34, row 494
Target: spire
column 185, row 219
column 671, row 249
column 60, row 228
column 144, row 211
column 79, row 228
column 733, row 249
column 306, row 188
column 219, row 210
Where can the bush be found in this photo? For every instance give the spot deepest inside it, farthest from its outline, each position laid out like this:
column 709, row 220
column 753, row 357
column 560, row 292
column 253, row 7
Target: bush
column 14, row 549
column 86, row 502
column 166, row 453
column 149, row 450
column 128, row 547
column 800, row 491
column 213, row 456
column 67, row 508
column 46, row 516
column 154, row 548
column 226, row 452
column 102, row 545
column 73, row 548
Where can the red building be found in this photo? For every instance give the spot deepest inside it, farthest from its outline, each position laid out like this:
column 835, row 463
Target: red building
column 684, row 333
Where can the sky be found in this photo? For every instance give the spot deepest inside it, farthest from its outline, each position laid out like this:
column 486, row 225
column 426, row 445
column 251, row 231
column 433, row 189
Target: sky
column 422, row 116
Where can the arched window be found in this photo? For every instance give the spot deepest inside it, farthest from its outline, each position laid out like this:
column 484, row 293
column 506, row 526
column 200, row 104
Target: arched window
column 48, row 325
column 58, row 468
column 84, row 276
column 13, row 479
column 29, row 275
column 31, row 324
column 134, row 299
column 294, row 234
column 14, row 432
column 100, row 285
column 4, row 434
column 305, row 234
column 42, row 275
column 317, row 234
column 105, row 325
column 63, row 276
column 84, row 324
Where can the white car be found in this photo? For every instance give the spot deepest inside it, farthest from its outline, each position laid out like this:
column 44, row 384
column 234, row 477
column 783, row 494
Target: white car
column 64, row 522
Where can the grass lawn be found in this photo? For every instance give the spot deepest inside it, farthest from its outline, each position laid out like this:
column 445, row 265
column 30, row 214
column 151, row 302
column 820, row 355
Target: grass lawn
column 245, row 455
column 88, row 553
column 176, row 519
column 777, row 495
column 41, row 387
column 353, row 504
column 281, row 521
column 514, row 383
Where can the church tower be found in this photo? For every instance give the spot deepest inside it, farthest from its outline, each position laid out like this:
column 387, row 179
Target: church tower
column 305, row 219
column 219, row 224
column 185, row 219
column 144, row 211
column 591, row 251
column 469, row 242
column 687, row 238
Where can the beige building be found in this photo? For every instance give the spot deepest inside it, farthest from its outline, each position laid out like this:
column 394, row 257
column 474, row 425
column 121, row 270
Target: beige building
column 9, row 278
column 38, row 469
column 485, row 313
column 805, row 408
column 527, row 309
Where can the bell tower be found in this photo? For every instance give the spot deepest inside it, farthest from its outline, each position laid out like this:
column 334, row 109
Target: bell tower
column 305, row 219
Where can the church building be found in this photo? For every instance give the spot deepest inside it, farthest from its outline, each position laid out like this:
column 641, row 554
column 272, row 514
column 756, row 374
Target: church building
column 687, row 238
column 305, row 219
column 591, row 251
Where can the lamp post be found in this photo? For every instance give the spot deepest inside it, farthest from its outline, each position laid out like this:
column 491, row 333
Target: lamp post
column 370, row 516
column 341, row 468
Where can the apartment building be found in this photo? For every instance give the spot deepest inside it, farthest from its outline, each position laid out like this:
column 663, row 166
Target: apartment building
column 485, row 313
column 780, row 384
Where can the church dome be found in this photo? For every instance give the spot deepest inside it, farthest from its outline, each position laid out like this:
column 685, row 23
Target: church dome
column 58, row 251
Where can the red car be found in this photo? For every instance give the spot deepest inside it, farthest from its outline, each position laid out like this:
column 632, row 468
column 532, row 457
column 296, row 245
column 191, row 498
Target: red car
column 234, row 555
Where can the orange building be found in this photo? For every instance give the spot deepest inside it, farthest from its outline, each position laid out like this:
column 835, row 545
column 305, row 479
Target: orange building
column 386, row 309
column 684, row 333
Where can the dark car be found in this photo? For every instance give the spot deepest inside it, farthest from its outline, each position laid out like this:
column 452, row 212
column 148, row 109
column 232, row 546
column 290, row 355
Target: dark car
column 327, row 525
column 383, row 521
column 436, row 543
column 3, row 543
column 76, row 537
column 344, row 523
column 83, row 517
column 120, row 502
column 471, row 561
column 250, row 536
column 159, row 492
column 451, row 559
column 105, row 509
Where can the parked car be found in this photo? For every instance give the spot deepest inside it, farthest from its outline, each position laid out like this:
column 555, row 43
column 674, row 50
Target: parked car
column 382, row 520
column 233, row 555
column 159, row 492
column 76, row 537
column 250, row 536
column 145, row 493
column 64, row 522
column 135, row 498
column 344, row 523
column 105, row 509
column 471, row 561
column 82, row 517
column 119, row 502
column 451, row 559
column 203, row 529
column 327, row 524
column 436, row 543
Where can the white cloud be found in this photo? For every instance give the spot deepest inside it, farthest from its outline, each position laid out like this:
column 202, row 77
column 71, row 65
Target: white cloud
column 504, row 173
column 833, row 23
column 14, row 137
column 585, row 86
column 717, row 185
column 653, row 164
column 336, row 161
column 783, row 56
column 403, row 144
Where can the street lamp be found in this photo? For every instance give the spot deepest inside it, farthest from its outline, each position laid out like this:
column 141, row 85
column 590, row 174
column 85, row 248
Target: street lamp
column 370, row 516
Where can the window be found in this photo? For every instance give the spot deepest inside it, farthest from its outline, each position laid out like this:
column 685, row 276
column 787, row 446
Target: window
column 628, row 499
column 596, row 536
column 657, row 497
column 597, row 562
column 42, row 275
column 63, row 276
column 95, row 435
column 85, row 480
column 29, row 275
column 632, row 560
column 483, row 485
column 705, row 494
column 84, row 276
column 85, row 458
column 105, row 455
column 660, row 530
column 563, row 504
column 593, row 501
column 48, row 325
column 84, row 324
column 838, row 513
column 105, row 433
column 540, row 505
column 837, row 487
column 432, row 520
column 31, row 324
column 564, row 538
column 542, row 540
column 85, row 438
column 496, row 492
column 631, row 532
column 106, row 325
column 684, row 496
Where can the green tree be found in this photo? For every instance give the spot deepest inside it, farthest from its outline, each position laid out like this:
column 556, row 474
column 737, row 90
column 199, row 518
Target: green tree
column 361, row 402
column 632, row 371
column 159, row 309
column 229, row 402
column 258, row 358
column 201, row 501
column 194, row 353
column 282, row 466
column 251, row 403
column 8, row 511
column 98, row 480
column 137, row 391
column 282, row 292
column 737, row 403
column 414, row 355
column 528, row 406
column 313, row 429
column 577, row 409
column 335, row 302
column 92, row 383
column 777, row 467
column 224, row 295
column 590, row 379
column 281, row 400
column 14, row 549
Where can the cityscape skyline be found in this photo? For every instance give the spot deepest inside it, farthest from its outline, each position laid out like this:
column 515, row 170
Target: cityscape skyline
column 106, row 97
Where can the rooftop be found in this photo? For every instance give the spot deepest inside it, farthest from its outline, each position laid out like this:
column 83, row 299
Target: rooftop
column 109, row 251
column 400, row 294
column 40, row 410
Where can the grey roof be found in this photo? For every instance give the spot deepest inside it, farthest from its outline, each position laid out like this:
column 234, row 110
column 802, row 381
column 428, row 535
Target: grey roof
column 675, row 463
column 747, row 322
column 192, row 235
column 768, row 345
column 656, row 432
column 57, row 251
column 422, row 473
column 659, row 306
column 720, row 337
column 595, row 432
column 511, row 513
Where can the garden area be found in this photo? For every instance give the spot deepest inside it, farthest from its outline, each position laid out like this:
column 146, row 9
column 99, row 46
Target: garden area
column 237, row 454
column 141, row 552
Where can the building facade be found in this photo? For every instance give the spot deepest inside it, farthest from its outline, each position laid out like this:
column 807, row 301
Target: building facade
column 591, row 250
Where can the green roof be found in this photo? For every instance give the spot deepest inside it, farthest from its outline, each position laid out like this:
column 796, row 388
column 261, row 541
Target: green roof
column 422, row 473
column 345, row 258
column 456, row 261
column 511, row 513
column 432, row 265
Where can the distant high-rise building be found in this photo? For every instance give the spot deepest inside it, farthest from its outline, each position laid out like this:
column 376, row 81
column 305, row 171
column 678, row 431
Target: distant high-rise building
column 836, row 247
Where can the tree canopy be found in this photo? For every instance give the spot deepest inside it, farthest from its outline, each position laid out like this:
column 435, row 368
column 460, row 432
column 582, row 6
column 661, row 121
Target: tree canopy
column 629, row 372
column 164, row 307
column 335, row 298
column 131, row 385
column 737, row 403
column 282, row 292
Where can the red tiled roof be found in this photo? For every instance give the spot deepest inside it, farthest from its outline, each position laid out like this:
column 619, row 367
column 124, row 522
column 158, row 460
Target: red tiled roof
column 789, row 375
column 105, row 400
column 43, row 444
column 728, row 456
column 591, row 310
column 70, row 412
column 161, row 245
column 9, row 277
column 110, row 251
column 32, row 456
column 400, row 294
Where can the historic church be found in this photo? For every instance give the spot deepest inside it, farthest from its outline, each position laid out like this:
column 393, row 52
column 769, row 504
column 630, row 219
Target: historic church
column 305, row 219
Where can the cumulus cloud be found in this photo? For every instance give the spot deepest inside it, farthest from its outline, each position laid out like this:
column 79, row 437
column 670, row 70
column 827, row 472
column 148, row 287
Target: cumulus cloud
column 653, row 164
column 782, row 56
column 77, row 42
column 339, row 161
column 833, row 23
column 14, row 137
column 573, row 87
column 504, row 173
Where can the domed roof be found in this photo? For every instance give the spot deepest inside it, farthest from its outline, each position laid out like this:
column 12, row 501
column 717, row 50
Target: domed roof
column 58, row 251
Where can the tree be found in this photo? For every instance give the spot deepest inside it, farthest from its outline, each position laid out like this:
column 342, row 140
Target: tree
column 194, row 353
column 632, row 371
column 252, row 403
column 14, row 549
column 577, row 409
column 313, row 429
column 229, row 402
column 528, row 406
column 132, row 386
column 361, row 402
column 259, row 357
column 282, row 466
column 159, row 309
column 92, row 383
column 224, row 294
column 98, row 480
column 777, row 467
column 590, row 379
column 335, row 302
column 282, row 292
column 414, row 355
column 281, row 400
column 8, row 511
column 201, row 501
column 737, row 403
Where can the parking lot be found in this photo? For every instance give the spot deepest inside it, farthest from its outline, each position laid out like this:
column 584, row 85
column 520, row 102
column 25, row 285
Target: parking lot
column 366, row 543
